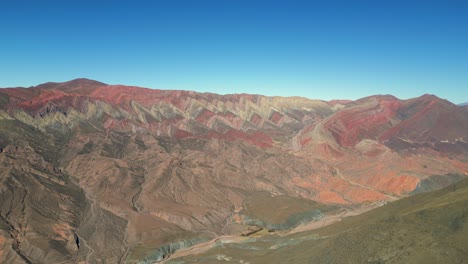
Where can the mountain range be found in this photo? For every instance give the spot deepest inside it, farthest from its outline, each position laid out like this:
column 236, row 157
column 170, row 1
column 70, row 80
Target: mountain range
column 98, row 173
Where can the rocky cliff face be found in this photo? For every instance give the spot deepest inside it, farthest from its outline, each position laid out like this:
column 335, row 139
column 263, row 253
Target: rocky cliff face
column 109, row 173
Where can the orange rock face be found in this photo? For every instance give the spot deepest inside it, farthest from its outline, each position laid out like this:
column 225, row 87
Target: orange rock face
column 2, row 242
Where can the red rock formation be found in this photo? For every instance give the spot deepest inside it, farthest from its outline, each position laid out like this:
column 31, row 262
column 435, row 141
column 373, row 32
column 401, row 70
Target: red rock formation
column 160, row 166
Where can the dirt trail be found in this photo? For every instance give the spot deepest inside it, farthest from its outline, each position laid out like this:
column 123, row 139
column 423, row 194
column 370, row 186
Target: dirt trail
column 391, row 197
column 202, row 247
column 328, row 220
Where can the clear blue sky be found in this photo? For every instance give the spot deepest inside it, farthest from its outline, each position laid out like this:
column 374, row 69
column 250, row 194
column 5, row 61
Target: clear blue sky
column 341, row 49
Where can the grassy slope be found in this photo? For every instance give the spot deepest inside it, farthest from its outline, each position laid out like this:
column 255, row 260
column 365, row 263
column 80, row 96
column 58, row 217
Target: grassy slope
column 283, row 211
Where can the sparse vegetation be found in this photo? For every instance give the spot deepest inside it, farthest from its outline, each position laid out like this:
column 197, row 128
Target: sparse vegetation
column 425, row 228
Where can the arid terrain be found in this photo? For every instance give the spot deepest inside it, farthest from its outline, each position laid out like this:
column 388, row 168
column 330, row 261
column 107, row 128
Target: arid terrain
column 97, row 173
column 426, row 228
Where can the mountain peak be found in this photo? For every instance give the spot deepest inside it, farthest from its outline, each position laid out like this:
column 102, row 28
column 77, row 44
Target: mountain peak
column 85, row 81
column 429, row 96
column 80, row 86
column 74, row 82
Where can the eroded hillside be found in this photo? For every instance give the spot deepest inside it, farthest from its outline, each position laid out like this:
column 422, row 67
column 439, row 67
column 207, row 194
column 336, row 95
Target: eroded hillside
column 97, row 173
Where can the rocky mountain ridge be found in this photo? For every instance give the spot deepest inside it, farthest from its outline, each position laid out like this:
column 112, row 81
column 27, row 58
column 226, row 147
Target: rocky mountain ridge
column 126, row 170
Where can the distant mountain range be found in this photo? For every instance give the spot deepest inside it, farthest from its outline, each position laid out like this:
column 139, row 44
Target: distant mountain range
column 463, row 104
column 102, row 173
